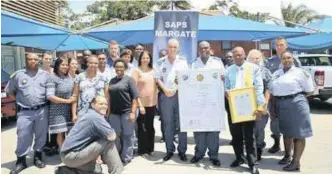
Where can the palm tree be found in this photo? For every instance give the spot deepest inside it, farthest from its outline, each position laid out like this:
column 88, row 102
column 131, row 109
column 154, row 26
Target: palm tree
column 300, row 14
column 175, row 5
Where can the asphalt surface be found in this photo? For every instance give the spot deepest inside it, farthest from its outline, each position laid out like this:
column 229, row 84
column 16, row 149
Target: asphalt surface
column 317, row 157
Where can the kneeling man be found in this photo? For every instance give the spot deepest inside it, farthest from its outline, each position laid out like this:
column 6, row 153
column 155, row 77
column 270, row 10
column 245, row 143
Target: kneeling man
column 90, row 137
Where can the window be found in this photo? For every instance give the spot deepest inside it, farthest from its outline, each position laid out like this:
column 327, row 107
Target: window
column 226, row 45
column 315, row 61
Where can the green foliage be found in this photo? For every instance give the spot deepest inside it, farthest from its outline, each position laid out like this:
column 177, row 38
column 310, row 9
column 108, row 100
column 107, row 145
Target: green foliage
column 300, row 14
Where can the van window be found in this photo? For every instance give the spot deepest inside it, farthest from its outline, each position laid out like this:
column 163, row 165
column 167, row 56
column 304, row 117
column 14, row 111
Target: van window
column 315, row 61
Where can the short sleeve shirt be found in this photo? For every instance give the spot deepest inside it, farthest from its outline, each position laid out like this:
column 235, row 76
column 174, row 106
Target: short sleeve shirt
column 295, row 80
column 212, row 63
column 122, row 92
column 30, row 90
column 167, row 72
column 88, row 89
column 86, row 130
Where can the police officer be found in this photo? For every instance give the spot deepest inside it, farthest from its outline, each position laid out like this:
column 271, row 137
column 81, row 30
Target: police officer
column 166, row 74
column 273, row 64
column 256, row 57
column 29, row 88
column 206, row 140
column 289, row 87
column 240, row 75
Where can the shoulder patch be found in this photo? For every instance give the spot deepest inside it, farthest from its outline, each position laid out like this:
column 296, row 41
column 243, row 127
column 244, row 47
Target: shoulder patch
column 13, row 75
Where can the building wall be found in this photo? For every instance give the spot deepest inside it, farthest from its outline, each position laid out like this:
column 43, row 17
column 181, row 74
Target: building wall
column 220, row 48
column 43, row 11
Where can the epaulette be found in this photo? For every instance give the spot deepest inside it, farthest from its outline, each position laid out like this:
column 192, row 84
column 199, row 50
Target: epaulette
column 15, row 73
column 160, row 61
column 216, row 58
column 182, row 58
column 306, row 73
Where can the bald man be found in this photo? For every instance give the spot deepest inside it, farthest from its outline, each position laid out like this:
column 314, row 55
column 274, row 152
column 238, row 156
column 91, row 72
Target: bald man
column 240, row 75
column 29, row 87
column 166, row 73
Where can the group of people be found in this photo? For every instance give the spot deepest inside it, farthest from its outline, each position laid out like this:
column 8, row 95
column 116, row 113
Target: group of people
column 97, row 115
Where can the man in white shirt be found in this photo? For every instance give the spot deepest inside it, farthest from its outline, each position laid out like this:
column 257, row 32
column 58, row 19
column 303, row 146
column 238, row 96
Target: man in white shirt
column 139, row 48
column 166, row 73
column 104, row 68
column 204, row 140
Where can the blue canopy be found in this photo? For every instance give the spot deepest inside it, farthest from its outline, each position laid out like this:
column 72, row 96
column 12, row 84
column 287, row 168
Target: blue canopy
column 320, row 41
column 21, row 31
column 218, row 27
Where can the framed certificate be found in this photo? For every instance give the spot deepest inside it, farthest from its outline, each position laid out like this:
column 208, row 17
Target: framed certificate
column 242, row 104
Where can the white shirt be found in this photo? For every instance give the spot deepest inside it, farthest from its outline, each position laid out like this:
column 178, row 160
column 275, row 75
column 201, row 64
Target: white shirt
column 294, row 81
column 130, row 69
column 166, row 72
column 239, row 83
column 135, row 62
column 211, row 63
column 109, row 72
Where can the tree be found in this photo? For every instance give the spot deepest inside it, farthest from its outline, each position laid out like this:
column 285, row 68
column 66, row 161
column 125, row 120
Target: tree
column 300, row 14
column 130, row 10
column 232, row 9
column 175, row 5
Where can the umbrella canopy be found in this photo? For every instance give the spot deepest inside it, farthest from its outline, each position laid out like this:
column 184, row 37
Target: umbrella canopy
column 218, row 27
column 22, row 31
column 319, row 41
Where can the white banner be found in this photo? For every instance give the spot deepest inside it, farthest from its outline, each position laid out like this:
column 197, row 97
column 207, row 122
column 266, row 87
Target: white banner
column 201, row 100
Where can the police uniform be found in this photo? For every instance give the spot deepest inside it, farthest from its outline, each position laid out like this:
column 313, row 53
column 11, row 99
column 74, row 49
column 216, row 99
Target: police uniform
column 109, row 72
column 32, row 119
column 168, row 106
column 261, row 123
column 273, row 64
column 291, row 105
column 210, row 140
column 246, row 75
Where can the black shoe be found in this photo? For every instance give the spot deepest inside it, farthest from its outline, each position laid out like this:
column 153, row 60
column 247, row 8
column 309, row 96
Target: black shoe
column 285, row 160
column 37, row 160
column 215, row 162
column 292, row 167
column 183, row 157
column 19, row 166
column 195, row 159
column 259, row 154
column 48, row 151
column 254, row 170
column 276, row 146
column 168, row 156
column 237, row 163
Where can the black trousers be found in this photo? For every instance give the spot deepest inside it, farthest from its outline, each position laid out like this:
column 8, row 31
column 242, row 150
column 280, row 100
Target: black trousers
column 146, row 130
column 243, row 132
column 51, row 142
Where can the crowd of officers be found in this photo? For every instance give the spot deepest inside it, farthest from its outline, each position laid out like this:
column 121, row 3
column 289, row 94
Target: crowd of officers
column 96, row 116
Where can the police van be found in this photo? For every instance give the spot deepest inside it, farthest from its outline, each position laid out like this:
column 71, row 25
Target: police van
column 320, row 67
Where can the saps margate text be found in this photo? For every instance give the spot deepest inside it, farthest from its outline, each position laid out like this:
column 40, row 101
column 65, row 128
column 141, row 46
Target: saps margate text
column 175, row 30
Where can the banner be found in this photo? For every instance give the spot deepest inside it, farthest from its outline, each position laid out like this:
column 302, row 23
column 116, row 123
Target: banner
column 181, row 25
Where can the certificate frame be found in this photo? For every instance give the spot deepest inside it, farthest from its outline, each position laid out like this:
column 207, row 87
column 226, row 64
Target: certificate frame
column 232, row 94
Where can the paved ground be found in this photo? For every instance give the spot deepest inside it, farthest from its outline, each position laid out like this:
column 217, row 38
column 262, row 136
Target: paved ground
column 317, row 157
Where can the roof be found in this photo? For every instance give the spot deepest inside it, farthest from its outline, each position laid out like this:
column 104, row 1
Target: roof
column 219, row 27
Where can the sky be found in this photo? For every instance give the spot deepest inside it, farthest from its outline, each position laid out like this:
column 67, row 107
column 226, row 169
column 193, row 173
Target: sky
column 323, row 7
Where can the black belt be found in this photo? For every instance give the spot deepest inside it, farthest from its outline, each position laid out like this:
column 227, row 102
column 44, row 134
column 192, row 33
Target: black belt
column 288, row 96
column 20, row 108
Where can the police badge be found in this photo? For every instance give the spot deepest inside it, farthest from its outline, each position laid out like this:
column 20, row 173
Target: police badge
column 164, row 70
column 199, row 77
column 215, row 75
column 24, row 81
column 185, row 77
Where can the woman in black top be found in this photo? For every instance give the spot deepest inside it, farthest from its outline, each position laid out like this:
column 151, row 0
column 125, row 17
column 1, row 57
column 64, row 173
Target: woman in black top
column 123, row 104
